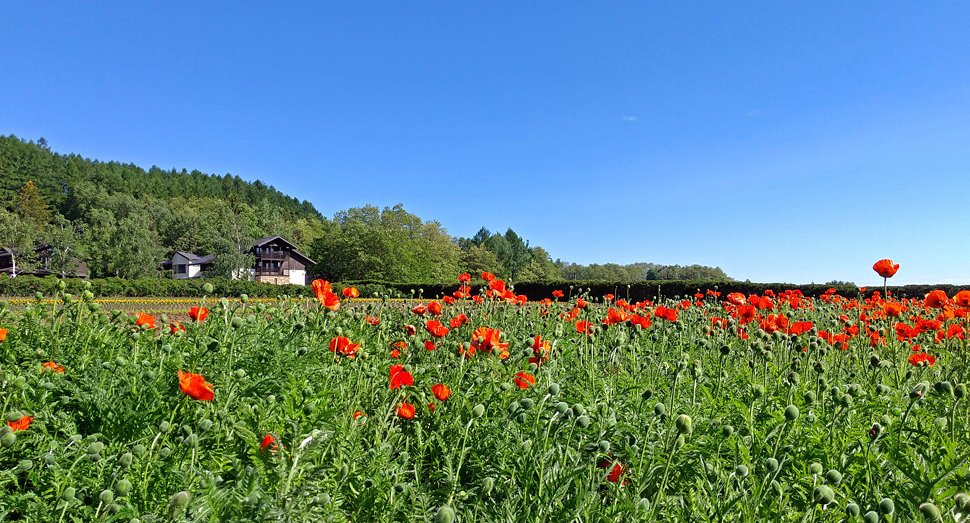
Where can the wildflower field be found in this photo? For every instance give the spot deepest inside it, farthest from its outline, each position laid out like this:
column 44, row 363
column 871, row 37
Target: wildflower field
column 485, row 405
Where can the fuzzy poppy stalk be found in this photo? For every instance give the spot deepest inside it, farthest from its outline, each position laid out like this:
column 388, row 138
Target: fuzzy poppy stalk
column 195, row 387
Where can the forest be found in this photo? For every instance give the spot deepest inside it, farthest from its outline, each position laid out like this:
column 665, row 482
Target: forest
column 123, row 221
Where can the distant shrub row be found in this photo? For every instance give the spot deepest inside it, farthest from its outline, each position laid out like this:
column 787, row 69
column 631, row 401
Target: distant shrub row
column 634, row 292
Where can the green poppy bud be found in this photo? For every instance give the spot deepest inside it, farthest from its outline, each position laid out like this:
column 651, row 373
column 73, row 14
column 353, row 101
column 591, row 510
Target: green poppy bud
column 741, row 471
column 647, row 394
column 8, row 439
column 930, row 512
column 553, row 389
column 960, row 391
column 579, row 409
column 757, row 390
column 123, row 487
column 604, row 446
column 125, row 460
column 163, row 427
column 852, row 510
column 810, row 397
column 50, row 458
column 95, row 447
column 684, row 424
column 727, row 431
column 68, row 494
column 679, row 442
column 342, row 473
column 505, row 387
column 834, row 477
column 25, row 465
column 236, row 322
column 478, row 411
column 562, row 407
column 582, row 421
column 139, row 450
column 659, row 409
column 771, row 464
column 815, row 468
column 871, row 517
column 14, row 415
column 886, row 506
column 192, row 441
column 179, row 501
column 823, row 495
column 514, row 407
column 487, row 485
column 165, row 452
column 961, row 502
column 527, row 403
column 791, row 413
column 106, row 496
column 445, row 514
column 845, row 400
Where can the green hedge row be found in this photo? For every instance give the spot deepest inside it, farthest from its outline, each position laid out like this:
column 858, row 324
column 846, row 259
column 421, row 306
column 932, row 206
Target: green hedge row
column 648, row 290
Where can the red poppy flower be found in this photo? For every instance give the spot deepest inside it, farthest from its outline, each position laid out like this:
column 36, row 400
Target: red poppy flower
column 410, row 330
column 936, row 299
column 195, row 387
column 147, row 320
column 616, row 470
column 175, row 326
column 922, row 359
column 557, row 294
column 400, row 377
column 419, row 309
column 270, row 442
column 581, row 303
column 198, row 313
column 372, row 320
column 342, row 345
column 523, row 380
column 434, row 308
column 892, row 309
column 458, row 321
column 21, row 424
column 441, row 391
column 358, row 414
column 464, row 277
column 396, row 354
column 321, row 287
column 53, row 367
column 486, row 339
column 350, row 292
column 584, row 327
column 497, row 286
column 614, row 316
column 405, row 411
column 737, row 298
column 487, row 276
column 665, row 313
column 436, row 328
column 3, row 334
column 962, row 299
column 448, row 299
column 885, row 268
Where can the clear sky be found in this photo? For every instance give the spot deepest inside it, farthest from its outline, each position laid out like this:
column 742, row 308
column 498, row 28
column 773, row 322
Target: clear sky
column 781, row 141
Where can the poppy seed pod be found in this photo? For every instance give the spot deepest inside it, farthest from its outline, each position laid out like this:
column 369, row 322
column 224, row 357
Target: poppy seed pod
column 659, row 409
column 478, row 411
column 771, row 464
column 871, row 517
column 815, row 468
column 445, row 514
column 106, row 496
column 930, row 512
column 791, row 413
column 823, row 495
column 741, row 471
column 582, row 421
column 852, row 510
column 684, row 424
column 68, row 494
column 834, row 477
column 886, row 506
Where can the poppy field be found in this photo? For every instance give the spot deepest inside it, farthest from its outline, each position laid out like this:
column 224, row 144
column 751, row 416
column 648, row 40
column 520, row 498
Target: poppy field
column 485, row 405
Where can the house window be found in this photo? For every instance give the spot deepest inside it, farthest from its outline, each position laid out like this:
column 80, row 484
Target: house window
column 180, row 268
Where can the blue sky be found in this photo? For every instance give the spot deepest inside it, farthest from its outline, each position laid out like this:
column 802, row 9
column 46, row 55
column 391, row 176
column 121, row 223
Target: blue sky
column 781, row 141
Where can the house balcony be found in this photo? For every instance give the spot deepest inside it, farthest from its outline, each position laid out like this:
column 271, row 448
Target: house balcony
column 266, row 271
column 273, row 256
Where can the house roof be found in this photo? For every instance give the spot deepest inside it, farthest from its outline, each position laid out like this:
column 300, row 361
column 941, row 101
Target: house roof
column 263, row 241
column 187, row 255
column 203, row 260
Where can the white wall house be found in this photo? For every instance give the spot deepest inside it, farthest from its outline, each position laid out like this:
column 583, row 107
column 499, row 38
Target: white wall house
column 276, row 261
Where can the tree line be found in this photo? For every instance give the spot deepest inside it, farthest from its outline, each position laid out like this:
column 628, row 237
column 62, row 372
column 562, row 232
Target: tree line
column 122, row 221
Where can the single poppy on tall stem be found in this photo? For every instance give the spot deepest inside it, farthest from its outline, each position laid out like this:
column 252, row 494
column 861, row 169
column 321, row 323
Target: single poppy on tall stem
column 886, row 269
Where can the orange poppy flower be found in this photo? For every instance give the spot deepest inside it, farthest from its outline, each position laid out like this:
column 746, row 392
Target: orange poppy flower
column 198, row 313
column 434, row 308
column 464, row 277
column 429, row 345
column 616, row 470
column 523, row 380
column 270, row 442
column 737, row 298
column 584, row 327
column 557, row 294
column 372, row 320
column 342, row 345
column 321, row 287
column 175, row 326
column 936, row 299
column 485, row 339
column 581, row 303
column 665, row 313
column 350, row 292
column 405, row 411
column 458, row 321
column 497, row 286
column 487, row 276
column 962, row 299
column 21, row 424
column 892, row 309
column 195, row 387
column 53, row 367
column 441, row 391
column 325, row 295
column 885, row 268
column 396, row 354
column 146, row 319
column 400, row 377
column 3, row 334
column 419, row 309
column 448, row 299
column 410, row 330
column 922, row 359
column 436, row 328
